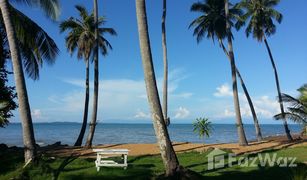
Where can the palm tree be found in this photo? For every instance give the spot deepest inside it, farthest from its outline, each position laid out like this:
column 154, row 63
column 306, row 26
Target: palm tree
column 165, row 62
column 297, row 111
column 24, row 107
column 166, row 149
column 81, row 36
column 261, row 15
column 241, row 133
column 215, row 22
column 203, row 127
column 96, row 81
column 36, row 47
column 103, row 44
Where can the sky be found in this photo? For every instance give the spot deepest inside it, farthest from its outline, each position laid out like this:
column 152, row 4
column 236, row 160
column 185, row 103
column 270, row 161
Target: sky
column 199, row 74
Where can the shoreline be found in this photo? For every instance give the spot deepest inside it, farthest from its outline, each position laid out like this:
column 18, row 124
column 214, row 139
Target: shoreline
column 274, row 142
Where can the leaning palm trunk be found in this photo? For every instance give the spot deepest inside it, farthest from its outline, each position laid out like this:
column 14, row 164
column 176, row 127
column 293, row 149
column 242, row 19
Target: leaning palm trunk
column 240, row 128
column 165, row 62
column 250, row 103
column 278, row 90
column 85, row 113
column 96, row 81
column 24, row 107
column 249, row 100
column 166, row 149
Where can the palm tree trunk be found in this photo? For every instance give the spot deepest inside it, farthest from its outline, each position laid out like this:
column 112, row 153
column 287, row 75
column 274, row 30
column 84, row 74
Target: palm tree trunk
column 167, row 152
column 278, row 90
column 249, row 99
column 2, row 58
column 96, row 82
column 85, row 113
column 240, row 128
column 24, row 107
column 165, row 62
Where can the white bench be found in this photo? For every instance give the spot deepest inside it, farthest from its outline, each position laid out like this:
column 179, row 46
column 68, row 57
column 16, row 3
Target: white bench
column 102, row 158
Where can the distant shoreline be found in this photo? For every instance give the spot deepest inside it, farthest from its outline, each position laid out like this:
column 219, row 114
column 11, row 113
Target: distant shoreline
column 55, row 122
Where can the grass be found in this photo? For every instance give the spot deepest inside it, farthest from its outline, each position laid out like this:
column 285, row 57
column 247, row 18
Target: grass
column 143, row 167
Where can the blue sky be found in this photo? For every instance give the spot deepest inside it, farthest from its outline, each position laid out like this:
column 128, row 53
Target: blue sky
column 199, row 73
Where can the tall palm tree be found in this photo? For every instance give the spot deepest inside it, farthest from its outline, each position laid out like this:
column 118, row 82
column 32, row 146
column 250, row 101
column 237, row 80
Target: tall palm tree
column 261, row 15
column 24, row 107
column 81, row 36
column 165, row 62
column 215, row 23
column 166, row 149
column 99, row 43
column 96, row 81
column 241, row 133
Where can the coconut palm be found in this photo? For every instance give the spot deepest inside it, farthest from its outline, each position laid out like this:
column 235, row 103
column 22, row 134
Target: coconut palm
column 96, row 80
column 81, row 36
column 203, row 127
column 297, row 110
column 261, row 15
column 103, row 44
column 215, row 22
column 24, row 107
column 36, row 47
column 166, row 149
column 165, row 62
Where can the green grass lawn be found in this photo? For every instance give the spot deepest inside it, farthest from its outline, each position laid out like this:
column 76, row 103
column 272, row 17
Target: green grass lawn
column 144, row 167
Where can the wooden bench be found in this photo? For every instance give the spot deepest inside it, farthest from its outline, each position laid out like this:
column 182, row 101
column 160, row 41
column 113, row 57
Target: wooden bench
column 103, row 155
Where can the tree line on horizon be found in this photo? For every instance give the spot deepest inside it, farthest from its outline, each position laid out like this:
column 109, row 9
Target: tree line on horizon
column 28, row 46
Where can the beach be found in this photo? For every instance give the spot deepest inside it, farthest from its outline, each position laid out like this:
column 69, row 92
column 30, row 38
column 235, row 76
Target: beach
column 274, row 142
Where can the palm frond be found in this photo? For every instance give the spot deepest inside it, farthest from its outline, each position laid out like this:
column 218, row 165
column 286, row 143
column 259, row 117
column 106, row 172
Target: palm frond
column 260, row 16
column 51, row 8
column 36, row 45
column 294, row 117
column 81, row 34
column 211, row 23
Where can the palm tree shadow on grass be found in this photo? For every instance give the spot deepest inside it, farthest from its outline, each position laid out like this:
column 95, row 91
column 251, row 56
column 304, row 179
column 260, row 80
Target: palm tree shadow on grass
column 263, row 173
column 65, row 162
column 9, row 159
column 139, row 171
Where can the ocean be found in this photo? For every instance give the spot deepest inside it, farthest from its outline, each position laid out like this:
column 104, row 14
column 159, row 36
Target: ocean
column 49, row 133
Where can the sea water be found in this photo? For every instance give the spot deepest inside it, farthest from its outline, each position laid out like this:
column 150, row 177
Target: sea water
column 67, row 133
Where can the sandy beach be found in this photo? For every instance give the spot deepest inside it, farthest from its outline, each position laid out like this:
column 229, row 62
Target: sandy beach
column 277, row 142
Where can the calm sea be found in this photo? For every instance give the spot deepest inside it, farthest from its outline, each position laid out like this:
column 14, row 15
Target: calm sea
column 48, row 133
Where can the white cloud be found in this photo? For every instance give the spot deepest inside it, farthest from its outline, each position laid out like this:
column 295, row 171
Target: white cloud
column 182, row 113
column 265, row 107
column 36, row 114
column 118, row 98
column 223, row 91
column 141, row 115
column 181, row 95
column 228, row 113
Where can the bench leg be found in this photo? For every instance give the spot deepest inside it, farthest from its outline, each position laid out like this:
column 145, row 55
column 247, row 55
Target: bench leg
column 98, row 168
column 125, row 161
